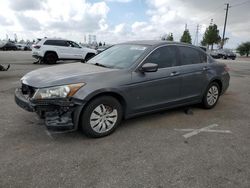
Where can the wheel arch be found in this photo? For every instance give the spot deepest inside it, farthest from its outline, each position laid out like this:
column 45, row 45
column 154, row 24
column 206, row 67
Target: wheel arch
column 89, row 54
column 219, row 82
column 114, row 94
column 51, row 51
column 117, row 95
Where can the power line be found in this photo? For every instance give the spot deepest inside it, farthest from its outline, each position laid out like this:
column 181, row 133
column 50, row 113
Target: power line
column 239, row 4
column 214, row 12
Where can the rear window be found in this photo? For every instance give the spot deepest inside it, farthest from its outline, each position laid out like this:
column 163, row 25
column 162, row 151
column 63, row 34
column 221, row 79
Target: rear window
column 56, row 42
column 203, row 57
column 190, row 56
column 37, row 41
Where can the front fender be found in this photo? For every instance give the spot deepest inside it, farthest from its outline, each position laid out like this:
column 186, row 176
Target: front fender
column 86, row 95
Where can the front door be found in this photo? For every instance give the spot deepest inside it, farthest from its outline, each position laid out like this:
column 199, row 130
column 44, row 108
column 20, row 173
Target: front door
column 155, row 90
column 75, row 51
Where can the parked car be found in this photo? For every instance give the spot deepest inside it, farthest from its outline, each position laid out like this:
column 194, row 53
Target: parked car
column 9, row 46
column 226, row 53
column 214, row 54
column 124, row 81
column 23, row 47
column 210, row 52
column 3, row 68
column 51, row 50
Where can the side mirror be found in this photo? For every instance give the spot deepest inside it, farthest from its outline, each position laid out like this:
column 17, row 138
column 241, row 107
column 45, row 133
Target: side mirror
column 149, row 67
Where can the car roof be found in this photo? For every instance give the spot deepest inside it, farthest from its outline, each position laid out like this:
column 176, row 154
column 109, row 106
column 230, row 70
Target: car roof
column 53, row 39
column 154, row 42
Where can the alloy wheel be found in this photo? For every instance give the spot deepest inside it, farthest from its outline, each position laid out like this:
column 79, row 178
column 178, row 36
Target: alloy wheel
column 212, row 95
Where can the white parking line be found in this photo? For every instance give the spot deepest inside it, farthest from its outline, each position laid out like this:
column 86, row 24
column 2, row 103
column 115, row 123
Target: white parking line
column 49, row 134
column 194, row 132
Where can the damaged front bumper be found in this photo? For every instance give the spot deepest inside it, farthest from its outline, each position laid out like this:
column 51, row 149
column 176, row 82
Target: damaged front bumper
column 59, row 114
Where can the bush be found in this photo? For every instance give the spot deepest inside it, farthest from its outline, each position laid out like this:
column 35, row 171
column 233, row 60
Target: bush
column 244, row 49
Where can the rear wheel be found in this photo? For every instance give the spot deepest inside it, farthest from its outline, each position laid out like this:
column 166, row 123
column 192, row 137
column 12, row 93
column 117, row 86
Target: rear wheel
column 101, row 117
column 211, row 96
column 50, row 58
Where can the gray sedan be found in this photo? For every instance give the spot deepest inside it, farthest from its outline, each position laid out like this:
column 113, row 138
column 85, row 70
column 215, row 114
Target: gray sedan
column 124, row 81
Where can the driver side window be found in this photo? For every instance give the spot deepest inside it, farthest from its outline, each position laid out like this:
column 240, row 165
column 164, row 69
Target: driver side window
column 164, row 56
column 73, row 44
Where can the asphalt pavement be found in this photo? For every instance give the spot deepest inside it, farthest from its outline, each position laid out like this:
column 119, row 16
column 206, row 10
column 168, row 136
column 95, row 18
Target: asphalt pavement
column 150, row 151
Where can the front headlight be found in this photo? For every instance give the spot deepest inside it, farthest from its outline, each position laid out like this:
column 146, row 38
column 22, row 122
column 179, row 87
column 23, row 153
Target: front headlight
column 57, row 91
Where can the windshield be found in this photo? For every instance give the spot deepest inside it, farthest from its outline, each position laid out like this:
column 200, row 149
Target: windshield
column 119, row 56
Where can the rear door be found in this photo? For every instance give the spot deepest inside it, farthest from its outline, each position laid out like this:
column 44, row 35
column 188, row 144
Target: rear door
column 152, row 90
column 194, row 69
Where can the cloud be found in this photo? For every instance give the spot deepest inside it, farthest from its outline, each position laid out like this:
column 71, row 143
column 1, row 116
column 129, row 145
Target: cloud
column 4, row 21
column 28, row 23
column 119, row 1
column 23, row 5
column 75, row 18
column 164, row 17
column 120, row 28
column 171, row 16
column 83, row 18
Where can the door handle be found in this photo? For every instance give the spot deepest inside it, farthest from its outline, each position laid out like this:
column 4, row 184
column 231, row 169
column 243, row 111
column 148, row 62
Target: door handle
column 174, row 73
column 205, row 68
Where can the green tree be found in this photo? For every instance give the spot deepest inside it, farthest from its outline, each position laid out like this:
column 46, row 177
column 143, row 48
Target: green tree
column 211, row 36
column 170, row 37
column 244, row 49
column 186, row 37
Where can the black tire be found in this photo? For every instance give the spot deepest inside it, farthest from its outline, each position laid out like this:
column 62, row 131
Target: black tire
column 224, row 57
column 50, row 58
column 40, row 114
column 205, row 101
column 98, row 122
column 89, row 56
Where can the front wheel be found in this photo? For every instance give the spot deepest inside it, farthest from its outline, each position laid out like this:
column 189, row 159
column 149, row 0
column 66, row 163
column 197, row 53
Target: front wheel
column 211, row 96
column 101, row 117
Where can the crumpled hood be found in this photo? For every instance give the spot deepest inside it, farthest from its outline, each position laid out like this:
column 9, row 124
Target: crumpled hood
column 62, row 74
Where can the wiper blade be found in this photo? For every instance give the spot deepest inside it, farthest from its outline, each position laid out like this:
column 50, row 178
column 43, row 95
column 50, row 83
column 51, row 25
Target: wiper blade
column 100, row 65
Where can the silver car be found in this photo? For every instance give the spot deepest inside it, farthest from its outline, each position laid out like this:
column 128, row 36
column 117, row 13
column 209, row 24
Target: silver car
column 124, row 81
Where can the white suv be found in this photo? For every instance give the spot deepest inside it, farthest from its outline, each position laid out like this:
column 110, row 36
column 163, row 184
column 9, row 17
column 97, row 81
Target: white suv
column 51, row 50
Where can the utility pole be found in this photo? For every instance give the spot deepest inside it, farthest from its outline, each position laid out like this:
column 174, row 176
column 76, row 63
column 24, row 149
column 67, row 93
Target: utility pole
column 185, row 27
column 196, row 38
column 225, row 25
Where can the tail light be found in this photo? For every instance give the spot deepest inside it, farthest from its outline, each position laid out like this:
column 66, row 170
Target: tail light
column 226, row 68
column 37, row 46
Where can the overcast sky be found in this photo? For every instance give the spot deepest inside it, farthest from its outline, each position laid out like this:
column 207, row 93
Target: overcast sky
column 121, row 20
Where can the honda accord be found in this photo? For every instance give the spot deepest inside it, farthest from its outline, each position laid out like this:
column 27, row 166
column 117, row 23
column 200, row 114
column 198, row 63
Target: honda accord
column 124, row 81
